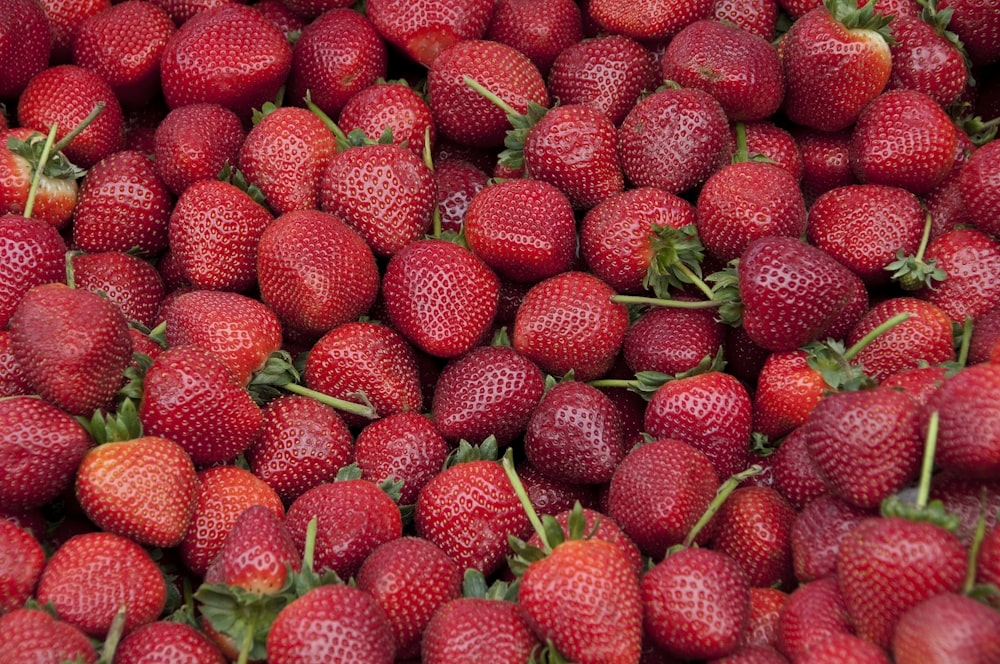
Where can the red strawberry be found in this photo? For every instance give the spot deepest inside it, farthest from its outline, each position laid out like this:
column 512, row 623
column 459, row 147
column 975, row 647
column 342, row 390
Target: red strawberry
column 214, row 231
column 754, row 528
column 288, row 14
column 817, row 533
column 762, row 627
column 301, row 250
column 757, row 17
column 971, row 260
column 90, row 577
column 766, row 139
column 440, row 296
column 741, row 70
column 410, row 579
column 523, row 229
column 66, row 95
column 673, row 139
column 813, row 612
column 57, row 193
column 130, row 283
column 422, row 30
column 458, row 181
column 947, row 628
column 353, row 517
column 35, row 254
column 360, row 59
column 844, row 648
column 257, row 553
column 788, row 388
column 21, row 563
column 12, row 380
column 553, row 497
column 540, row 30
column 144, row 489
column 569, row 322
column 477, row 629
column 825, row 160
column 926, row 60
column 794, row 472
column 969, row 435
column 977, row 184
column 162, row 641
column 887, row 565
column 696, row 604
column 648, row 20
column 391, row 106
column 463, row 114
column 402, row 447
column 833, row 71
column 978, row 26
column 659, row 491
column 25, row 45
column 919, row 383
column 671, row 340
column 124, row 45
column 192, row 397
column 224, row 493
column 123, row 206
column 301, row 444
column 194, row 143
column 711, row 412
column 65, row 17
column 228, row 55
column 364, row 631
column 984, row 345
column 35, row 635
column 384, row 192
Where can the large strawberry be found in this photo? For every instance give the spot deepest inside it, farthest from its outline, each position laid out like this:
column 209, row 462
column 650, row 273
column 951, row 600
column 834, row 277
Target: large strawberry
column 754, row 527
column 403, row 447
column 813, row 612
column 836, row 59
column 195, row 142
column 34, row 634
column 25, row 45
column 423, row 29
column 970, row 259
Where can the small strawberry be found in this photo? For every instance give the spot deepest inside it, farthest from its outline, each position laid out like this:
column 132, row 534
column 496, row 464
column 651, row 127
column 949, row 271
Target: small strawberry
column 977, row 184
column 162, row 641
column 25, row 45
column 477, row 629
column 404, row 447
column 458, row 181
column 969, row 436
column 422, row 30
column 394, row 107
column 195, row 142
column 813, row 612
column 754, row 528
column 258, row 554
column 540, row 30
column 35, row 635
column 35, row 255
column 788, row 388
column 57, row 192
column 21, row 563
column 816, row 535
column 647, row 20
column 756, row 17
column 970, row 259
column 130, row 283
column 947, row 628
column 672, row 340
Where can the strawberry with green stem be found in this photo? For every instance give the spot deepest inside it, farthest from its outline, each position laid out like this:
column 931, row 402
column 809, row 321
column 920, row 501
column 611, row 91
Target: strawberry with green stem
column 912, row 272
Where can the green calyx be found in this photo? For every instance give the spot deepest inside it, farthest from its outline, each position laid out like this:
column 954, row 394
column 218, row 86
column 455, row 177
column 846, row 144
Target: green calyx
column 521, row 123
column 646, row 383
column 913, row 272
column 235, row 177
column 726, row 291
column 833, row 361
column 676, row 260
column 488, row 450
column 115, row 426
column 852, row 17
column 280, row 374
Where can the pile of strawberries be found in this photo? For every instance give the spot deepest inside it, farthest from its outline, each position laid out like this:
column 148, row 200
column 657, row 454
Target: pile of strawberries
column 499, row 331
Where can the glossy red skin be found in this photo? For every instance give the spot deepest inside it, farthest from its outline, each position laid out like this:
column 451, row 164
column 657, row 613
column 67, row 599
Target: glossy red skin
column 309, row 9
column 130, row 283
column 36, row 255
column 762, row 627
column 754, row 528
column 845, row 647
column 20, row 565
column 163, row 642
column 65, row 18
column 12, row 380
column 55, row 198
column 672, row 340
column 422, row 30
column 477, row 629
column 979, row 177
column 925, row 61
column 978, row 26
column 257, row 554
column 458, row 181
column 403, row 446
column 795, row 473
column 286, row 15
column 813, row 612
column 194, row 142
column 787, row 391
column 539, row 29
column 946, row 628
column 825, row 160
column 394, row 107
column 30, row 633
column 816, row 535
column 647, row 20
column 25, row 45
column 777, row 144
column 969, row 441
column 971, row 260
column 988, row 567
column 756, row 17
column 985, row 343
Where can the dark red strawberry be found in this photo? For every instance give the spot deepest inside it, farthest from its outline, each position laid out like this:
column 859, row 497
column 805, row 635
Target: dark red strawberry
column 392, row 107
column 35, row 255
column 754, row 528
column 795, row 473
column 35, row 635
column 12, row 380
column 757, row 17
column 647, row 20
column 163, row 641
column 287, row 14
column 971, row 260
column 984, row 345
column 477, row 628
column 978, row 178
column 816, row 535
column 672, row 340
column 925, row 59
column 130, row 283
column 540, row 30
column 21, row 563
column 844, row 648
column 825, row 160
column 422, row 30
column 969, row 435
column 767, row 140
column 25, row 45
column 978, row 26
column 553, row 497
column 947, row 628
column 402, row 447
column 813, row 612
column 194, row 143
column 228, row 55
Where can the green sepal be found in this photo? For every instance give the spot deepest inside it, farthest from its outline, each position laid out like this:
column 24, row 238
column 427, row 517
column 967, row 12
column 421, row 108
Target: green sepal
column 934, row 512
column 985, row 593
column 762, row 446
column 676, row 260
column 829, row 360
column 260, row 113
column 726, row 288
column 115, row 426
column 501, row 338
column 474, row 585
column 279, row 370
column 234, row 611
column 512, row 156
column 912, row 273
column 547, row 654
column 57, row 166
column 235, row 177
column 455, row 237
column 488, row 450
column 349, row 472
column 524, row 554
column 852, row 17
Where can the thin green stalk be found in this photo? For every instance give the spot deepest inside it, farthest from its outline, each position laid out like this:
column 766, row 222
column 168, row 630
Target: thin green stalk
column 481, row 89
column 930, row 449
column 696, row 280
column 658, row 302
column 339, row 404
column 963, row 349
column 742, row 154
column 36, row 177
column 874, row 334
column 522, row 494
column 720, row 498
column 248, row 636
column 977, row 542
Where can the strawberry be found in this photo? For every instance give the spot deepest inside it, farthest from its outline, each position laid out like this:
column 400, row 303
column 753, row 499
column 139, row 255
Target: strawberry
column 192, row 397
column 288, row 14
column 21, row 563
column 228, row 55
column 124, row 45
column 25, row 45
column 553, row 497
column 757, row 17
column 36, row 468
column 813, row 612
column 390, row 215
column 969, row 435
column 354, row 517
column 696, row 604
column 402, row 447
column 461, row 113
column 57, row 192
column 836, row 59
column 123, row 206
column 392, row 107
column 34, row 255
column 844, row 648
column 977, row 185
column 794, row 472
column 301, row 250
column 364, row 633
column 926, row 59
column 754, row 528
column 766, row 139
column 947, row 628
column 214, row 231
column 258, row 554
column 65, row 95
column 64, row 18
column 162, row 641
column 741, row 70
column 978, row 26
column 422, row 30
column 762, row 626
column 523, row 229
column 130, row 283
column 817, row 532
column 330, row 82
column 673, row 139
column 477, row 629
column 224, row 493
column 12, row 380
column 672, row 341
column 458, row 181
column 440, row 296
column 35, row 635
column 711, row 412
column 984, row 346
column 568, row 322
column 410, row 579
column 90, row 577
column 788, row 388
column 648, row 20
column 659, row 491
column 540, row 30
column 284, row 155
column 826, row 161
column 887, row 565
column 970, row 259
column 194, row 142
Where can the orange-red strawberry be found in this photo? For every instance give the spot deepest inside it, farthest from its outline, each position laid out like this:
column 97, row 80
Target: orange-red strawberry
column 391, row 106
column 788, row 388
column 35, row 254
column 403, row 447
column 35, row 635
column 195, row 142
column 539, row 29
column 163, row 641
column 21, row 563
column 647, row 20
column 25, row 45
column 422, row 30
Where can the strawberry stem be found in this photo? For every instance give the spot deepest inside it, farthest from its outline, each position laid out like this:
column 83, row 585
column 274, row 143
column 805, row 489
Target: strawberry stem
column 660, row 302
column 874, row 334
column 337, row 132
column 742, row 154
column 977, row 542
column 248, row 636
column 930, row 449
column 963, row 348
column 720, row 498
column 481, row 89
column 65, row 140
column 114, row 636
column 363, row 410
column 522, row 495
column 36, row 177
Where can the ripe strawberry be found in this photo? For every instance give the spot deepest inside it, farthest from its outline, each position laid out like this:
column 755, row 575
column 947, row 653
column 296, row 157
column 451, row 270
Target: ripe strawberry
column 390, row 106
column 569, row 322
column 123, row 206
column 258, row 554
column 969, row 435
column 813, row 612
column 410, row 579
column 970, row 259
column 402, row 447
column 673, row 139
column 192, row 397
column 458, row 181
column 794, row 472
column 844, row 648
column 440, row 296
column 461, row 113
column 66, row 95
column 360, row 60
column 887, row 565
column 659, row 491
column 817, row 533
column 57, row 193
column 228, row 55
column 21, row 563
column 224, row 493
column 35, row 254
column 12, row 380
column 766, row 139
column 741, row 70
column 65, row 17
column 711, row 412
column 353, row 517
column 214, row 231
column 422, row 30
column 925, row 59
column 672, row 341
column 947, row 628
column 130, row 283
column 788, row 388
column 540, row 30
column 978, row 26
column 977, row 184
column 25, row 45
column 28, row 635
column 984, row 345
column 831, row 70
column 523, row 229
column 477, row 629
column 825, row 160
column 762, row 626
column 648, row 20
column 194, row 143
column 757, row 17
column 162, row 642
column 90, row 577
column 754, row 528
column 390, row 214
column 364, row 633
column 696, row 604
column 124, row 44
